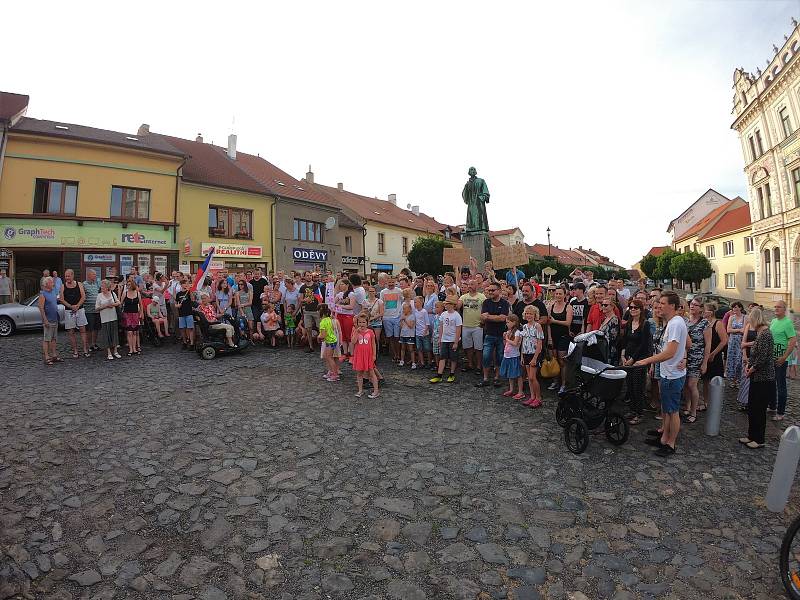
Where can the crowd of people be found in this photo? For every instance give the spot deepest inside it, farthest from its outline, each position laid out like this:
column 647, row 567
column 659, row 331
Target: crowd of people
column 515, row 333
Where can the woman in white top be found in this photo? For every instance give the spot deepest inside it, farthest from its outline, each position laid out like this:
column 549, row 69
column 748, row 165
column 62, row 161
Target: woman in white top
column 106, row 305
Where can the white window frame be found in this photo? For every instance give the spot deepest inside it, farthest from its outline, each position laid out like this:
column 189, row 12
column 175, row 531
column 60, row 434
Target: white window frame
column 748, row 241
column 725, row 245
column 750, row 278
column 732, row 284
column 710, row 252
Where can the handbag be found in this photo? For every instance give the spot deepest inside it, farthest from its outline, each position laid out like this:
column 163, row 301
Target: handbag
column 550, row 367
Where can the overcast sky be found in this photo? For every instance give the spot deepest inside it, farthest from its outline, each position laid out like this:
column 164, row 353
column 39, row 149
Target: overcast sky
column 602, row 120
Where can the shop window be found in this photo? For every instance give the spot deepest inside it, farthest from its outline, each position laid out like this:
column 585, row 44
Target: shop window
column 54, row 197
column 308, row 231
column 130, row 203
column 230, row 222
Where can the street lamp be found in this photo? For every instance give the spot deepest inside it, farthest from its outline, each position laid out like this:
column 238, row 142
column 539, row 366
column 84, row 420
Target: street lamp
column 548, row 242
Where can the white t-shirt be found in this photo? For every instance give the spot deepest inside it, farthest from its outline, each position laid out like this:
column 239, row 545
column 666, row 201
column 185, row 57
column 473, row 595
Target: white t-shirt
column 675, row 332
column 449, row 321
column 361, row 298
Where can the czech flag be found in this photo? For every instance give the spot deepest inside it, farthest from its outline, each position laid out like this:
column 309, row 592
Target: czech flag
column 203, row 268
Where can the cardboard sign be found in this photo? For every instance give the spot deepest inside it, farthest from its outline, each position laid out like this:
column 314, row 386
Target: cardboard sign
column 505, row 257
column 456, row 257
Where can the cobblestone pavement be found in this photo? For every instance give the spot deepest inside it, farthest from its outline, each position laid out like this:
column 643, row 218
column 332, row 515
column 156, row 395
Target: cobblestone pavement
column 165, row 476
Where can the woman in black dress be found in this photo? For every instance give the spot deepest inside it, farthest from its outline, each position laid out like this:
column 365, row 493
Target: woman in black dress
column 638, row 345
column 716, row 338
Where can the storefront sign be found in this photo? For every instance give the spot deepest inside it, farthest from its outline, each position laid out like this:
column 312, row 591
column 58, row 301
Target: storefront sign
column 216, row 265
column 6, row 253
column 352, row 260
column 126, row 264
column 99, row 258
column 310, row 255
column 92, row 234
column 232, row 250
column 160, row 263
column 185, row 269
column 382, row 267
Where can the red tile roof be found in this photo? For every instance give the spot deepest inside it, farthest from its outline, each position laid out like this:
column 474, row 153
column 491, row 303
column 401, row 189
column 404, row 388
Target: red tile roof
column 71, row 131
column 657, row 250
column 734, row 220
column 12, row 105
column 280, row 182
column 504, row 231
column 381, row 211
column 705, row 221
column 210, row 165
column 495, row 242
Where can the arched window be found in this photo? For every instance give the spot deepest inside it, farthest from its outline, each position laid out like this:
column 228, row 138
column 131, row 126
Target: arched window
column 767, row 268
column 776, row 259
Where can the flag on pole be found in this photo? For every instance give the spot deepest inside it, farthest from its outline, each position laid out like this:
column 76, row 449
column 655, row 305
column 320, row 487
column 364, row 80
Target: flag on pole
column 203, row 268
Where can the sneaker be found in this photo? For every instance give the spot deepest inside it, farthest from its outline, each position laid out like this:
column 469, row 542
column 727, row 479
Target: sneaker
column 451, row 379
column 744, row 440
column 436, row 379
column 359, row 394
column 553, row 386
column 413, row 366
column 401, row 363
column 562, row 389
column 373, row 395
column 664, row 451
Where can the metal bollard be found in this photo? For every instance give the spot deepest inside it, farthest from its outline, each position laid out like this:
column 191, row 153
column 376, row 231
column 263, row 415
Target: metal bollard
column 784, row 471
column 714, row 402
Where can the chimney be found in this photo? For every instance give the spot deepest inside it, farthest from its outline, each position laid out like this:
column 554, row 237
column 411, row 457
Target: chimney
column 144, row 129
column 393, row 199
column 232, row 146
column 310, row 175
column 415, row 210
column 340, row 186
column 199, row 138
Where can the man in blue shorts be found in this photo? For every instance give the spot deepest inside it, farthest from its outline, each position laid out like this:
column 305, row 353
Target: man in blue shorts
column 673, row 375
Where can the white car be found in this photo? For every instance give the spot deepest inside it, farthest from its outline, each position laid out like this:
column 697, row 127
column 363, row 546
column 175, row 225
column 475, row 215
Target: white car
column 26, row 315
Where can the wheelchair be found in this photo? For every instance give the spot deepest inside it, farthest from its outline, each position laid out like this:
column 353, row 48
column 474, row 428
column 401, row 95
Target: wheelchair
column 211, row 343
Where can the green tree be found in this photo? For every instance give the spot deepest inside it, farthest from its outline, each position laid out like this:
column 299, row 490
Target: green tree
column 692, row 267
column 426, row 255
column 648, row 265
column 663, row 265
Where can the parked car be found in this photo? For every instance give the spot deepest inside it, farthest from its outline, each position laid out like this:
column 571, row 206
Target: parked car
column 16, row 316
column 723, row 304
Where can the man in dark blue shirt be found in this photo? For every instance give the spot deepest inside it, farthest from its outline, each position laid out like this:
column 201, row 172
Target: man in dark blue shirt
column 493, row 315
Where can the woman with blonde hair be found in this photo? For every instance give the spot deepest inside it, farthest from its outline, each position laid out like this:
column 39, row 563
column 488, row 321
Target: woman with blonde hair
column 761, row 371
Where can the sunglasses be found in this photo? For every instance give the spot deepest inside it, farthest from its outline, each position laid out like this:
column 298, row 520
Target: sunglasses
column 605, row 305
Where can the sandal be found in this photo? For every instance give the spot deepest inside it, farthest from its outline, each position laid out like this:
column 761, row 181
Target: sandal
column 74, row 355
column 690, row 419
column 519, row 397
column 58, row 359
column 508, row 393
column 86, row 354
column 109, row 358
column 49, row 361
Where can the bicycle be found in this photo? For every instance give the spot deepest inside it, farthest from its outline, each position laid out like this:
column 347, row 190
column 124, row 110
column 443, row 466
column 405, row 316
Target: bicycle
column 790, row 560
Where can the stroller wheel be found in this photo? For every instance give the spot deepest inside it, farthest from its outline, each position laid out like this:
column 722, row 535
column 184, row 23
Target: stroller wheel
column 564, row 413
column 576, row 436
column 617, row 430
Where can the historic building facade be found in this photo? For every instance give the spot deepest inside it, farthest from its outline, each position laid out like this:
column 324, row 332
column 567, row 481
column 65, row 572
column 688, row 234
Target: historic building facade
column 766, row 110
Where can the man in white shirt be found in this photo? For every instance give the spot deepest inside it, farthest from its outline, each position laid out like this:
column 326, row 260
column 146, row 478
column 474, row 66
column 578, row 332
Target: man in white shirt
column 450, row 334
column 673, row 374
column 624, row 294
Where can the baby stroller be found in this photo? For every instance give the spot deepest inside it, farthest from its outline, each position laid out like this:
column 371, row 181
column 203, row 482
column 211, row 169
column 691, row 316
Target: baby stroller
column 212, row 342
column 590, row 401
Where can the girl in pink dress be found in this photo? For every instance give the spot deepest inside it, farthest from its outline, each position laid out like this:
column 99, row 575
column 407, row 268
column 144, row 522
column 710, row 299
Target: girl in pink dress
column 364, row 356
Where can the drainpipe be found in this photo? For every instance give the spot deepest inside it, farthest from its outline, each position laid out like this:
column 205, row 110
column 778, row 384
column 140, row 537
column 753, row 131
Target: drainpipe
column 272, row 227
column 3, row 148
column 175, row 204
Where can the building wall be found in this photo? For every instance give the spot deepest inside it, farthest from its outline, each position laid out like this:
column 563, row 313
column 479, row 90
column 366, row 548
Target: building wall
column 356, row 236
column 393, row 247
column 285, row 213
column 704, row 205
column 193, row 208
column 739, row 264
column 96, row 169
column 776, row 89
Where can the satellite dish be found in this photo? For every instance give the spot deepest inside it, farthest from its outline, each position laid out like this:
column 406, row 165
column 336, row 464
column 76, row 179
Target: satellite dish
column 330, row 223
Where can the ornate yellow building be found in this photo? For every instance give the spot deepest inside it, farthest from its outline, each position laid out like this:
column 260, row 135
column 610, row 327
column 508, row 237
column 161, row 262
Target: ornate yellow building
column 766, row 110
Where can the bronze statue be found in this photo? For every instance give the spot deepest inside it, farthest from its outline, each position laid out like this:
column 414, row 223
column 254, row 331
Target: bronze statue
column 476, row 197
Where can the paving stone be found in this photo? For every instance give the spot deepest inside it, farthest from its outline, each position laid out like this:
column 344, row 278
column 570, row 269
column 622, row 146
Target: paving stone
column 86, row 578
column 405, row 590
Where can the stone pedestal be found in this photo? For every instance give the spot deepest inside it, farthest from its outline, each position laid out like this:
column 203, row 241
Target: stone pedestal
column 479, row 246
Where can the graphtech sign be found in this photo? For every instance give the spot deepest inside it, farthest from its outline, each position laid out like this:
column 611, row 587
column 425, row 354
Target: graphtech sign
column 68, row 234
